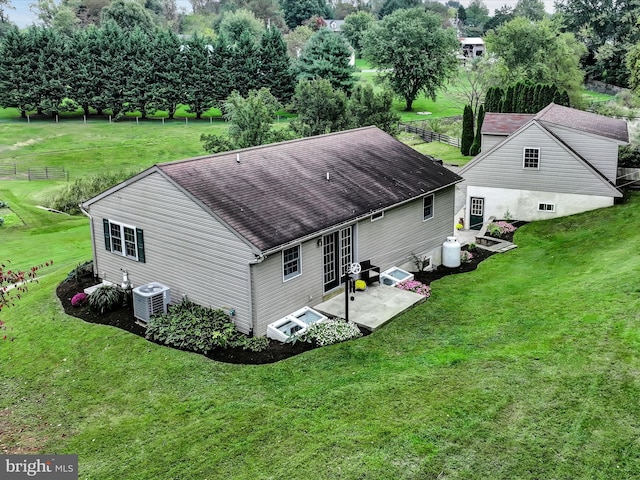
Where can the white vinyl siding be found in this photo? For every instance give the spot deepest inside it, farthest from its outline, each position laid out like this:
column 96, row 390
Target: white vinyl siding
column 560, row 171
column 392, row 242
column 601, row 152
column 200, row 258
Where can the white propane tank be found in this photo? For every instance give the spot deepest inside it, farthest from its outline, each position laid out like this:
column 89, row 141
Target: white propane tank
column 451, row 253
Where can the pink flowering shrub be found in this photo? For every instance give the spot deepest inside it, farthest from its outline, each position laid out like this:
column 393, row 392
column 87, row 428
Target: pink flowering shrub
column 415, row 286
column 498, row 229
column 79, row 299
column 466, row 257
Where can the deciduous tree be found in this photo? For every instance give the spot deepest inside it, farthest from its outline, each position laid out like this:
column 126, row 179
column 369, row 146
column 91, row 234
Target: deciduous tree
column 415, row 54
column 320, row 107
column 297, row 11
column 369, row 108
column 354, row 27
column 537, row 50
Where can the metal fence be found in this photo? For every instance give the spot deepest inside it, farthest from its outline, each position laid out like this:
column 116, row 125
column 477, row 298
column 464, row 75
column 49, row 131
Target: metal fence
column 430, row 136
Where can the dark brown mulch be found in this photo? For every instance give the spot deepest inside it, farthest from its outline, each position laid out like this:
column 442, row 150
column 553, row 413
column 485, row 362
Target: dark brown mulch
column 123, row 318
column 442, row 271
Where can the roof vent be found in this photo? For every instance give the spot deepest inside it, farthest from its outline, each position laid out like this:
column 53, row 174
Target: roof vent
column 327, row 176
column 238, row 157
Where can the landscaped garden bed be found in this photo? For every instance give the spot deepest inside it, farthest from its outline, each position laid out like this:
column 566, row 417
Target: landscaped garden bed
column 69, row 293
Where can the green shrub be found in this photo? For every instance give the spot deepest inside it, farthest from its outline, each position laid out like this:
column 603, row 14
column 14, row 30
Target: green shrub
column 106, row 298
column 493, row 230
column 1, row 221
column 254, row 344
column 192, row 327
column 329, row 332
column 72, row 195
column 82, row 270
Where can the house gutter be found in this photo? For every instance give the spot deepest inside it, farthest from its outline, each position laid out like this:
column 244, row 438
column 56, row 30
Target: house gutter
column 264, row 254
column 93, row 239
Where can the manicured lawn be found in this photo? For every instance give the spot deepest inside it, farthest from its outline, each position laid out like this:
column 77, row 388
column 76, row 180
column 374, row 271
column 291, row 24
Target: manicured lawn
column 525, row 368
column 84, row 148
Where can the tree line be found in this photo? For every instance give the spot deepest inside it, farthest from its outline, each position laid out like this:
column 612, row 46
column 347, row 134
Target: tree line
column 111, row 69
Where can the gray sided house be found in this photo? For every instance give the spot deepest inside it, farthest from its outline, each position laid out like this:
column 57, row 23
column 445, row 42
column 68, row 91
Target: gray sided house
column 267, row 230
column 558, row 162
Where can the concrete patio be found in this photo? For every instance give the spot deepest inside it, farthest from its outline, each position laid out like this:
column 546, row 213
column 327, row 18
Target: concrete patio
column 371, row 308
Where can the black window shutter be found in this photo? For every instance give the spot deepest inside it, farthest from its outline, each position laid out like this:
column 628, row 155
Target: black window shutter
column 140, row 242
column 107, row 234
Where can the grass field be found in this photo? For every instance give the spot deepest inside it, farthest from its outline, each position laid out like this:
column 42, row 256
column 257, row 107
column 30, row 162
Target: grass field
column 525, row 368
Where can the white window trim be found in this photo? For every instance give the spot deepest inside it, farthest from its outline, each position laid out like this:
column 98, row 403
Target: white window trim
column 553, row 207
column 299, row 272
column 433, row 206
column 124, row 245
column 377, row 216
column 524, row 150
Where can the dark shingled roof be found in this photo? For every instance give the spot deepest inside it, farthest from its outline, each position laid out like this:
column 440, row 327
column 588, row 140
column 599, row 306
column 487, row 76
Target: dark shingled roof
column 279, row 193
column 504, row 123
column 507, row 123
column 613, row 128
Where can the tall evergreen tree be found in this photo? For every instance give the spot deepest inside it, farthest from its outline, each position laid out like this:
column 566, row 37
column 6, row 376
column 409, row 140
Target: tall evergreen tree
column 141, row 81
column 167, row 67
column 561, row 97
column 467, row 130
column 326, row 55
column 477, row 141
column 112, row 67
column 275, row 71
column 242, row 60
column 508, row 102
column 17, row 83
column 493, row 100
column 198, row 74
column 52, row 69
column 85, row 84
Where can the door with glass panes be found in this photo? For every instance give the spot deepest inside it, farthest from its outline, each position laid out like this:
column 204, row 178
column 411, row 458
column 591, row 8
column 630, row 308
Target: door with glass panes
column 337, row 251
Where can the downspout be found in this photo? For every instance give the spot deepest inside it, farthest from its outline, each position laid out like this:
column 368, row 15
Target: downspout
column 93, row 241
column 259, row 258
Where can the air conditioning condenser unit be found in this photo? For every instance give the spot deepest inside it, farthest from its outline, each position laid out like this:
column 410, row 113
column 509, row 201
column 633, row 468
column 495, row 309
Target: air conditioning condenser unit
column 150, row 299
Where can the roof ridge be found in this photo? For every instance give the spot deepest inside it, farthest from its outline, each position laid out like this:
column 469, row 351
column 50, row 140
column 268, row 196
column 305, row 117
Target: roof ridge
column 263, row 146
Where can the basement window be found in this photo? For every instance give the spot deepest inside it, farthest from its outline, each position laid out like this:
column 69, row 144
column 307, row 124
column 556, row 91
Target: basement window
column 546, row 207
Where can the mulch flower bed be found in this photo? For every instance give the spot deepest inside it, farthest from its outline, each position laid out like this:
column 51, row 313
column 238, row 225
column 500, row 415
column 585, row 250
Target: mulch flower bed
column 123, row 317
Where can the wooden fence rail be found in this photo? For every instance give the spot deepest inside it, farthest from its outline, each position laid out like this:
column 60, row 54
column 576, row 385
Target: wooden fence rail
column 47, row 173
column 430, row 136
column 8, row 170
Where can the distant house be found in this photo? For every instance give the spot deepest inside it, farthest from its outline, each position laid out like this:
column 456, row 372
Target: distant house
column 472, row 47
column 558, row 162
column 267, row 230
column 334, row 24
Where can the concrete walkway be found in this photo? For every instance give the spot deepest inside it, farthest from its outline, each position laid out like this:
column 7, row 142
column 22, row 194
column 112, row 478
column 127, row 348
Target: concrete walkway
column 373, row 307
